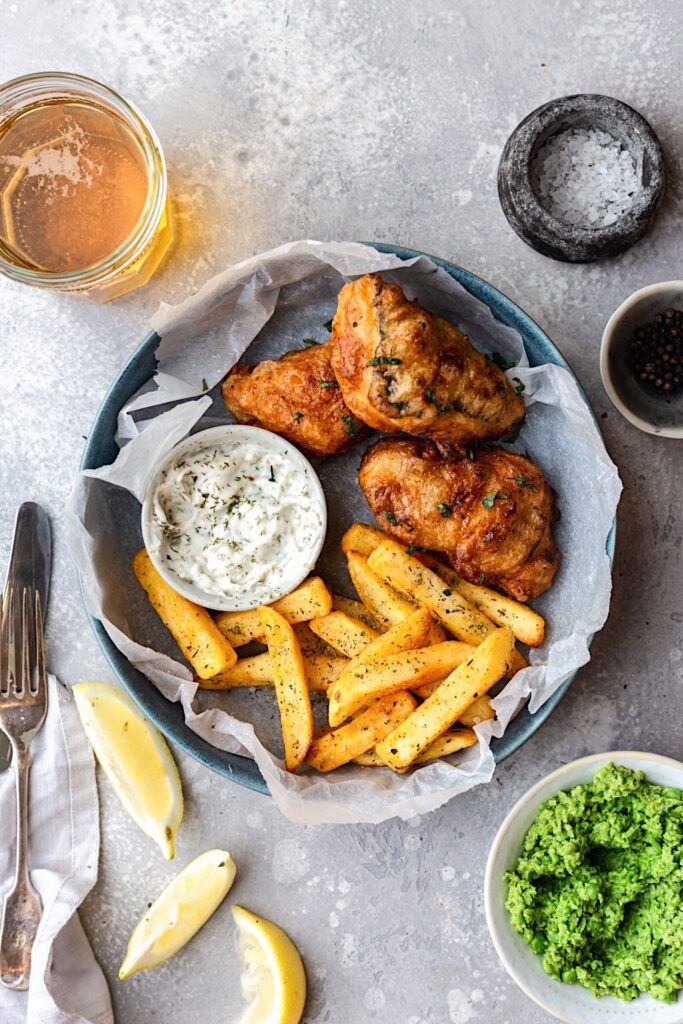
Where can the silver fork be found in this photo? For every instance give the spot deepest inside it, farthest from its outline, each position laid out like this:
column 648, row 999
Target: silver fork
column 23, row 706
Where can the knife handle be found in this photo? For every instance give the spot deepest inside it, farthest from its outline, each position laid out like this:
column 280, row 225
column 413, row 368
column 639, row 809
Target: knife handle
column 22, row 908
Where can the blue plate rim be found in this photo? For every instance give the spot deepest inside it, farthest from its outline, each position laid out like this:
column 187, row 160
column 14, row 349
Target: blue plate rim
column 244, row 770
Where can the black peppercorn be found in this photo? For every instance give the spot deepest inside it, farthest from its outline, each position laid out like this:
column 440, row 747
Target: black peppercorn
column 656, row 351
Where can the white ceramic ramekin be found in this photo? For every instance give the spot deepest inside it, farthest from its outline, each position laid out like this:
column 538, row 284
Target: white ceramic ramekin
column 645, row 408
column 570, row 1003
column 214, row 436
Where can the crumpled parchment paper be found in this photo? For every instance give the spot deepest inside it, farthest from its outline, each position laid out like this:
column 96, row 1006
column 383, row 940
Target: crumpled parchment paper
column 271, row 302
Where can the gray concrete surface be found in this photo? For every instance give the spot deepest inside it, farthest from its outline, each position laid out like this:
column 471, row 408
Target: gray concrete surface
column 375, row 120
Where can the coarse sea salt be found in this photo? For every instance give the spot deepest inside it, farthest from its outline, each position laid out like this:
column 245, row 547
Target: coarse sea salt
column 585, row 177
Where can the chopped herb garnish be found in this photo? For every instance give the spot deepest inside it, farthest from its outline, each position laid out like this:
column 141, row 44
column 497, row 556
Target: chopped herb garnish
column 481, row 577
column 222, row 864
column 472, row 452
column 205, row 386
column 514, row 433
column 447, row 592
column 310, row 341
column 328, row 384
column 500, row 361
column 328, row 325
column 523, row 482
column 444, row 509
column 297, row 416
column 271, row 478
column 491, row 498
column 411, row 550
column 384, row 361
column 431, row 397
column 351, row 425
column 520, row 385
column 390, row 517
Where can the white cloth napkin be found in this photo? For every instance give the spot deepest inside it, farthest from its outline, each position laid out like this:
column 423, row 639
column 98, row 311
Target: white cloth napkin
column 67, row 984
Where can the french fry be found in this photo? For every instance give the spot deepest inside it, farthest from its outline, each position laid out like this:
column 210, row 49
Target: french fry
column 449, row 743
column 291, row 687
column 378, row 596
column 427, row 689
column 489, row 663
column 309, row 642
column 333, row 749
column 527, row 625
column 356, row 609
column 437, row 634
column 362, row 538
column 460, row 618
column 370, row 759
column 308, row 601
column 345, row 634
column 479, row 711
column 321, row 672
column 518, row 662
column 382, row 600
column 406, row 636
column 392, row 563
column 191, row 626
column 254, row 671
column 366, row 680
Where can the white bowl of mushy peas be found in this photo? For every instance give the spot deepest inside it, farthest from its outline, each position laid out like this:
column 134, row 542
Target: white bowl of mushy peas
column 234, row 517
column 584, row 890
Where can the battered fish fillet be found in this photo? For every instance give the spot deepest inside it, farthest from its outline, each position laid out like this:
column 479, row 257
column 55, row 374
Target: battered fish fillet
column 402, row 369
column 296, row 396
column 490, row 515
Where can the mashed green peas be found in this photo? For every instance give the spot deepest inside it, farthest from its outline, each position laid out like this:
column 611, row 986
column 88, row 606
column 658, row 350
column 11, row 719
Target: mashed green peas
column 598, row 888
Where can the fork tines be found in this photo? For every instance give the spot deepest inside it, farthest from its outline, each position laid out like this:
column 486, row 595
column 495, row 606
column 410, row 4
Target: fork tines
column 22, row 658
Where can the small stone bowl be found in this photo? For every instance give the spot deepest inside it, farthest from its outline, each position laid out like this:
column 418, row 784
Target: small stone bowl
column 531, row 220
column 644, row 407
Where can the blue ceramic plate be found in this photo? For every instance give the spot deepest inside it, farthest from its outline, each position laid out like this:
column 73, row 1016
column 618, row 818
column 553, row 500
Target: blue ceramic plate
column 101, row 449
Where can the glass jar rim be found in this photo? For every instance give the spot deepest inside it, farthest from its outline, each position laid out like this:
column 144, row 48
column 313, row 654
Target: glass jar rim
column 18, row 94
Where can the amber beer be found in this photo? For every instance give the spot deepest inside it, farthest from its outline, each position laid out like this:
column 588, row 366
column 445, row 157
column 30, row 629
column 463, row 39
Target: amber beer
column 83, row 198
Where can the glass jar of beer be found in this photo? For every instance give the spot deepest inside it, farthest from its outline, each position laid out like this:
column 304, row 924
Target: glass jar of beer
column 83, row 194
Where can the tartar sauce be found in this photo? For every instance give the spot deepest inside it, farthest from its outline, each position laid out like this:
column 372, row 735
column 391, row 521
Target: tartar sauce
column 236, row 518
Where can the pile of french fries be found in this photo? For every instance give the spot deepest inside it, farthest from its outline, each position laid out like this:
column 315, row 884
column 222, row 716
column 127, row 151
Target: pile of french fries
column 406, row 668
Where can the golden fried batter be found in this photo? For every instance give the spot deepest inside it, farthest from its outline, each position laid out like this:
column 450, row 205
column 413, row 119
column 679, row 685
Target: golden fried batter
column 402, row 369
column 296, row 396
column 490, row 514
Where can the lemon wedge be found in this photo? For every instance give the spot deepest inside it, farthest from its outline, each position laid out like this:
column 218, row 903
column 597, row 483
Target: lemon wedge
column 135, row 759
column 273, row 978
column 187, row 903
